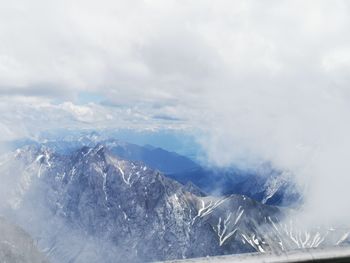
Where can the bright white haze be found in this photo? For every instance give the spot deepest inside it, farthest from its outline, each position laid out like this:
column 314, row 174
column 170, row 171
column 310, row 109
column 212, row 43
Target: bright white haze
column 264, row 80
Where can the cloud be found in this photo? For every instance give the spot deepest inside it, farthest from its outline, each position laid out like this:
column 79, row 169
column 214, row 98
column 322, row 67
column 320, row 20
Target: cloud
column 263, row 80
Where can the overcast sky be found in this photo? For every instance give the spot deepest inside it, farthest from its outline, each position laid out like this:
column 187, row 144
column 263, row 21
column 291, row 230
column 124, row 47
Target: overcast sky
column 264, row 79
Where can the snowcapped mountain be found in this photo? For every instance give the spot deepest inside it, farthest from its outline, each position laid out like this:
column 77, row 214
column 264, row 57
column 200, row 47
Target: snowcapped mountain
column 90, row 205
column 155, row 157
column 263, row 184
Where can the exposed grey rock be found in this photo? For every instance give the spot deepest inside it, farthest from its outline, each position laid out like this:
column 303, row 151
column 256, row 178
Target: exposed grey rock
column 93, row 206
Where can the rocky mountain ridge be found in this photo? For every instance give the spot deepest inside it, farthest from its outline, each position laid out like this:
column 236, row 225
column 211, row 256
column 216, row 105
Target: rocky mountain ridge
column 91, row 205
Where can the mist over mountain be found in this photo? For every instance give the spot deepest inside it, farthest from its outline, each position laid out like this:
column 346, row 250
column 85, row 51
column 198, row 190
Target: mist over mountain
column 263, row 183
column 149, row 130
column 85, row 203
column 17, row 246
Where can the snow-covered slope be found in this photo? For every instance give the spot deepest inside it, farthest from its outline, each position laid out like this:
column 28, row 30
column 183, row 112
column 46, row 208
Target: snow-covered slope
column 90, row 205
column 263, row 184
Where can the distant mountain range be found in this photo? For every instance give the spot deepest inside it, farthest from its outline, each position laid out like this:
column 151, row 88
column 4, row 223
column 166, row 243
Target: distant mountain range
column 89, row 201
column 264, row 184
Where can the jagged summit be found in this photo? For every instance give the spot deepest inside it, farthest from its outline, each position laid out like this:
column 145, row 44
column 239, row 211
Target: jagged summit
column 90, row 205
column 263, row 184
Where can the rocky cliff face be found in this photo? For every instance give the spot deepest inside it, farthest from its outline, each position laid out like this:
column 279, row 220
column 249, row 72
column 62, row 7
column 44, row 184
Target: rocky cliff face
column 263, row 183
column 90, row 205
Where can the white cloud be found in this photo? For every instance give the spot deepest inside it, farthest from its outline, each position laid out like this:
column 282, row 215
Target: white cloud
column 266, row 80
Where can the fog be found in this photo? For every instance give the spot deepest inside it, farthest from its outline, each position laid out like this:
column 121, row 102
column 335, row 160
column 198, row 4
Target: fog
column 262, row 81
column 299, row 131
